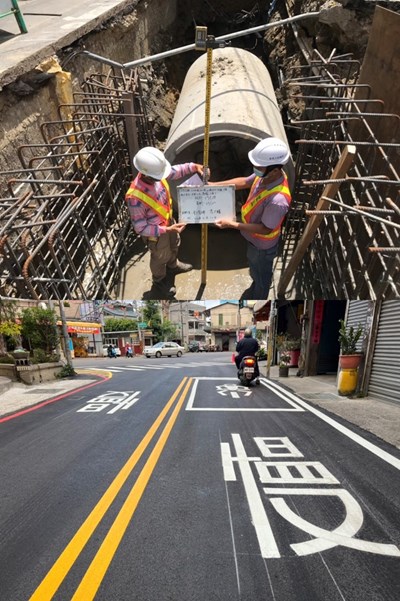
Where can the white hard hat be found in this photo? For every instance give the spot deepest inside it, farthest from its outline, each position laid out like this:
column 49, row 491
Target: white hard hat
column 151, row 161
column 270, row 151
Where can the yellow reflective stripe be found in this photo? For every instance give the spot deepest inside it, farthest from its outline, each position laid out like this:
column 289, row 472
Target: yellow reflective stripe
column 152, row 203
column 250, row 205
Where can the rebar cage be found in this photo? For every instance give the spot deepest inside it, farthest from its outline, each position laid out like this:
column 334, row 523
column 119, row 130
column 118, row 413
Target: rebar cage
column 65, row 231
column 350, row 249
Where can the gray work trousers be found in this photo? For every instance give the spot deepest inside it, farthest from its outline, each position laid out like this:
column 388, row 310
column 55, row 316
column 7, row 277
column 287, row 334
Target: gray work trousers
column 163, row 253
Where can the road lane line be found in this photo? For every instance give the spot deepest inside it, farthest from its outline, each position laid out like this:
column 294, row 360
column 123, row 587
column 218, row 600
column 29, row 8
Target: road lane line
column 94, row 575
column 52, row 581
column 384, row 455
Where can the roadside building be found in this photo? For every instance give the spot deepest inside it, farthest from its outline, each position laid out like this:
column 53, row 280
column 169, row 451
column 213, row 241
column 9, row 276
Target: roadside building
column 190, row 321
column 317, row 323
column 228, row 320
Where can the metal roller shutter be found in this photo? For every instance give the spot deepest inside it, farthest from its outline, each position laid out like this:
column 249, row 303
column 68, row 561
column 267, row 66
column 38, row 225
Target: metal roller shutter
column 357, row 313
column 385, row 373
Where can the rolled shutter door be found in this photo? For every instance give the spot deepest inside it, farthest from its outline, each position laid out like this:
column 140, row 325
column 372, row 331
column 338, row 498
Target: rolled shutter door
column 385, row 372
column 357, row 313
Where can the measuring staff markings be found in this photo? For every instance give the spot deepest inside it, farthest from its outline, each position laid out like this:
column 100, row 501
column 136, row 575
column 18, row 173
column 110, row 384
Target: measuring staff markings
column 115, row 399
column 275, row 474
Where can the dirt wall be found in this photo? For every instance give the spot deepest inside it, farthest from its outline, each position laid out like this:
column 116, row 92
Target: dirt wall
column 32, row 100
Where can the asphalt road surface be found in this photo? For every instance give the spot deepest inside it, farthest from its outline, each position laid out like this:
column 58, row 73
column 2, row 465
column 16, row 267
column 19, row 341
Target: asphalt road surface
column 169, row 481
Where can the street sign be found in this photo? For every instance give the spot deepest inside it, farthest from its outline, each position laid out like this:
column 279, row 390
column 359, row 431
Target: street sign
column 142, row 325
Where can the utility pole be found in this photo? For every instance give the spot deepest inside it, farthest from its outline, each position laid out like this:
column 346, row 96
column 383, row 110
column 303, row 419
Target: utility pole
column 68, row 355
column 271, row 333
column 239, row 321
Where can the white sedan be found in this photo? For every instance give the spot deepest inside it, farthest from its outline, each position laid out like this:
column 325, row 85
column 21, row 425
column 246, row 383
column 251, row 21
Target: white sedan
column 164, row 349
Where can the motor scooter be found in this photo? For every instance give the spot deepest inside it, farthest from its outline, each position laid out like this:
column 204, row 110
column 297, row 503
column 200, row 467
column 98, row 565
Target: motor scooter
column 129, row 353
column 248, row 371
column 112, row 353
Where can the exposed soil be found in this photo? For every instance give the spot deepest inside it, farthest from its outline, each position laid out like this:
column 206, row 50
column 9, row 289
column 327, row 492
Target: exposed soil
column 31, row 99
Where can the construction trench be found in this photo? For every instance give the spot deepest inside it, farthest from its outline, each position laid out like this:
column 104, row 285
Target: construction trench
column 64, row 227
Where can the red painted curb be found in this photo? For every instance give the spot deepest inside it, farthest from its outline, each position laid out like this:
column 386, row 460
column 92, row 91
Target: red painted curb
column 52, row 400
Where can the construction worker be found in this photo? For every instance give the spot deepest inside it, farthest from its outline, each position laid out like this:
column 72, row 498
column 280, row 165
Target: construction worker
column 263, row 212
column 150, row 206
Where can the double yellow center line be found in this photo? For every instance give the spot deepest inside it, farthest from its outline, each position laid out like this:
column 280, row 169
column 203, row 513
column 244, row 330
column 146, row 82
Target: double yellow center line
column 95, row 573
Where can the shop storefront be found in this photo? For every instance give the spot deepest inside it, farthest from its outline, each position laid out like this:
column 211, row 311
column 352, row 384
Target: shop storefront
column 85, row 338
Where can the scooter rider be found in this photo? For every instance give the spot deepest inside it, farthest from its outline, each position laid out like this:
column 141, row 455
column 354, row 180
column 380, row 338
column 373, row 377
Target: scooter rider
column 247, row 346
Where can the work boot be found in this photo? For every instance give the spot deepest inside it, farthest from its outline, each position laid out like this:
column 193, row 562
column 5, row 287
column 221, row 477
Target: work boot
column 165, row 287
column 180, row 268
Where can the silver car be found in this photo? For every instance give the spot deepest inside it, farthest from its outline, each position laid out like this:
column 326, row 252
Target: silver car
column 164, row 349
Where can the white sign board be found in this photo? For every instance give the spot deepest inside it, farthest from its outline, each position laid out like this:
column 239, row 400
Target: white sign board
column 206, row 204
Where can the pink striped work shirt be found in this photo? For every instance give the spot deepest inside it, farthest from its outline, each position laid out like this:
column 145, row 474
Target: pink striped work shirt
column 145, row 221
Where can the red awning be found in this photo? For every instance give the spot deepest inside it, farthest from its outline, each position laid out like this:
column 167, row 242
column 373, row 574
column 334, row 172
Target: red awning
column 82, row 327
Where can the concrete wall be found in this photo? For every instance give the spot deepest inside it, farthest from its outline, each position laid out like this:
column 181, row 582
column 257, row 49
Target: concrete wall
column 32, row 374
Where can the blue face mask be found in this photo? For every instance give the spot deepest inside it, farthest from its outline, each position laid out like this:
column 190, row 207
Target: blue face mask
column 259, row 172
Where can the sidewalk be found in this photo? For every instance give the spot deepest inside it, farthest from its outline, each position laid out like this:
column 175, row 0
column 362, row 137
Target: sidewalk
column 382, row 418
column 15, row 396
column 376, row 416
column 51, row 25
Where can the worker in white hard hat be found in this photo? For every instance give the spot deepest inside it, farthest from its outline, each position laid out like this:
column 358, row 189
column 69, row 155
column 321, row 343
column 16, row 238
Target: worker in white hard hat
column 263, row 212
column 150, row 206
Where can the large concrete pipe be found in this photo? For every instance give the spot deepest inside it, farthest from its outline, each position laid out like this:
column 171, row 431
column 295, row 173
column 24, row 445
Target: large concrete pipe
column 243, row 111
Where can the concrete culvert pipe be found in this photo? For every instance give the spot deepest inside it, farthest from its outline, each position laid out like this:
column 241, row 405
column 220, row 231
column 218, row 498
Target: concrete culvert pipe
column 243, row 111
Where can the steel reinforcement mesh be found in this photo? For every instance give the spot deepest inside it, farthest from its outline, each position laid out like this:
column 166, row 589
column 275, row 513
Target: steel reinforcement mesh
column 64, row 227
column 342, row 235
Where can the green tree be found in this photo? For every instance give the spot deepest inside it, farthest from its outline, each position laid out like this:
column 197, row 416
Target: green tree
column 162, row 329
column 119, row 324
column 168, row 329
column 9, row 328
column 152, row 316
column 39, row 327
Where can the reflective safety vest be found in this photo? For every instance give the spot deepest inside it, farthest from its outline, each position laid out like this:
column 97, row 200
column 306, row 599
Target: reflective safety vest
column 250, row 206
column 164, row 212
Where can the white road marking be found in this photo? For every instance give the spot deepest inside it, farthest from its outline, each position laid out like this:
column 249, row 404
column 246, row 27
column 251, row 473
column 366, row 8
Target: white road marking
column 282, row 396
column 265, row 536
column 196, row 379
column 384, row 455
column 327, row 539
column 230, row 516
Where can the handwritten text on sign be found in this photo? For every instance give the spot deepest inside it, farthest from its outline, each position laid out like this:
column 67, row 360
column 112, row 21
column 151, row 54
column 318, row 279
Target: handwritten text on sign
column 206, row 204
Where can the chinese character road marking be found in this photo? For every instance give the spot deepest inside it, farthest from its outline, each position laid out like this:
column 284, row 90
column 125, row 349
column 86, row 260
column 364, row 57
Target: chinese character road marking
column 121, row 400
column 234, row 390
column 327, row 539
column 296, row 472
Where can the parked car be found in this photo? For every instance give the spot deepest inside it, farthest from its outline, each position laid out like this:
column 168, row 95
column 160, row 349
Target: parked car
column 116, row 349
column 197, row 347
column 164, row 349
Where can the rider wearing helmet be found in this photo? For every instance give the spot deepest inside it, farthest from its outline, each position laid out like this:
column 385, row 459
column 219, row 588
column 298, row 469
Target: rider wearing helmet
column 263, row 212
column 247, row 346
column 150, row 207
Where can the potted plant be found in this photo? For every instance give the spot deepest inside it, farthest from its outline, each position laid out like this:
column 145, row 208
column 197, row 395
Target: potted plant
column 349, row 358
column 282, row 344
column 293, row 346
column 284, row 362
